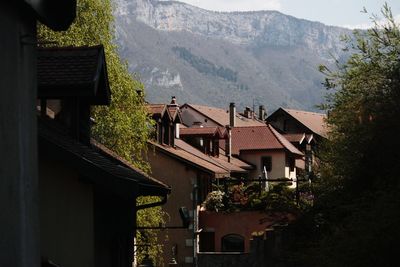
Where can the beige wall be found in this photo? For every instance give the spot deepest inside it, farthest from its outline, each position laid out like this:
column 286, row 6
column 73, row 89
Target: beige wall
column 279, row 167
column 181, row 178
column 66, row 216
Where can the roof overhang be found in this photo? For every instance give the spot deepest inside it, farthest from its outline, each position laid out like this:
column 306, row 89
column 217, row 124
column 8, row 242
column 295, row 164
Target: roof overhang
column 58, row 15
column 68, row 72
column 95, row 167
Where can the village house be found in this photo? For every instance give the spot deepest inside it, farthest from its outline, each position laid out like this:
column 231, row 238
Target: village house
column 304, row 129
column 252, row 139
column 190, row 170
column 87, row 194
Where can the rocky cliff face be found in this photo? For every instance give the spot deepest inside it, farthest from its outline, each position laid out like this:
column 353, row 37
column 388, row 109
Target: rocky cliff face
column 263, row 55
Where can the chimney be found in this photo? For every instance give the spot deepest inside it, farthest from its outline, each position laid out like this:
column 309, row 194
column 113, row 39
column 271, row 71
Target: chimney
column 173, row 101
column 228, row 143
column 248, row 112
column 261, row 113
column 232, row 114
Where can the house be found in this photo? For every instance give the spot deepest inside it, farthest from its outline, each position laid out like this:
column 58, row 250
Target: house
column 291, row 121
column 87, row 194
column 251, row 139
column 267, row 150
column 190, row 166
column 306, row 130
column 18, row 150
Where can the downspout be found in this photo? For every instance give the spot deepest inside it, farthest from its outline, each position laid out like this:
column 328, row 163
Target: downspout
column 195, row 223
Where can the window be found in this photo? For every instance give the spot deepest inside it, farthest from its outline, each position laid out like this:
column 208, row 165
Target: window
column 291, row 163
column 232, row 243
column 267, row 163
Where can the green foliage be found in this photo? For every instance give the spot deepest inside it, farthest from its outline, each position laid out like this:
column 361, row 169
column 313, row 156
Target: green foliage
column 214, row 201
column 122, row 126
column 242, row 196
column 147, row 240
column 354, row 220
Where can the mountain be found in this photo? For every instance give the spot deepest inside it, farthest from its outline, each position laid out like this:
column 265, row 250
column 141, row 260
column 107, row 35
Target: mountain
column 213, row 58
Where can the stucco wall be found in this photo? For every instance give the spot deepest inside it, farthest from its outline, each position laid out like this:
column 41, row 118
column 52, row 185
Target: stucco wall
column 181, row 177
column 278, row 169
column 66, row 215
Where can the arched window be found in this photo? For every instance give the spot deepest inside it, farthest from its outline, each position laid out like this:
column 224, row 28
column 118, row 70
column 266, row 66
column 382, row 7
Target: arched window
column 232, row 243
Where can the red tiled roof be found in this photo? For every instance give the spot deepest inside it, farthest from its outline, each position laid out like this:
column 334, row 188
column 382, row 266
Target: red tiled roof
column 221, row 116
column 73, row 71
column 259, row 138
column 312, row 120
column 219, row 167
column 194, row 160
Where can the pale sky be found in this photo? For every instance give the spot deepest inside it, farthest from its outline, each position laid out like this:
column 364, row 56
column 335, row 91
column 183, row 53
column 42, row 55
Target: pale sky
column 331, row 12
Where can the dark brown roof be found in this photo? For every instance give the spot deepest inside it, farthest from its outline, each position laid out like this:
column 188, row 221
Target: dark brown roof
column 259, row 138
column 97, row 164
column 221, row 116
column 312, row 120
column 215, row 131
column 156, row 109
column 159, row 110
column 73, row 71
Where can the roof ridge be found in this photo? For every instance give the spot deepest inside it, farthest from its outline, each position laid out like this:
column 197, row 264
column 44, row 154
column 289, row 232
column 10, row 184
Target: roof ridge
column 304, row 111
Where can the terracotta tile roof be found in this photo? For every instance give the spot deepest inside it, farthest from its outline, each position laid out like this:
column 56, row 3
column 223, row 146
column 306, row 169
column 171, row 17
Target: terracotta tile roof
column 312, row 120
column 98, row 163
column 199, row 161
column 221, row 116
column 259, row 138
column 73, row 71
column 219, row 167
column 235, row 164
column 216, row 131
column 221, row 162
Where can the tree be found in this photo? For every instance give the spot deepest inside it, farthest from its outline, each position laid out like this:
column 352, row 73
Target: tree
column 355, row 219
column 124, row 125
